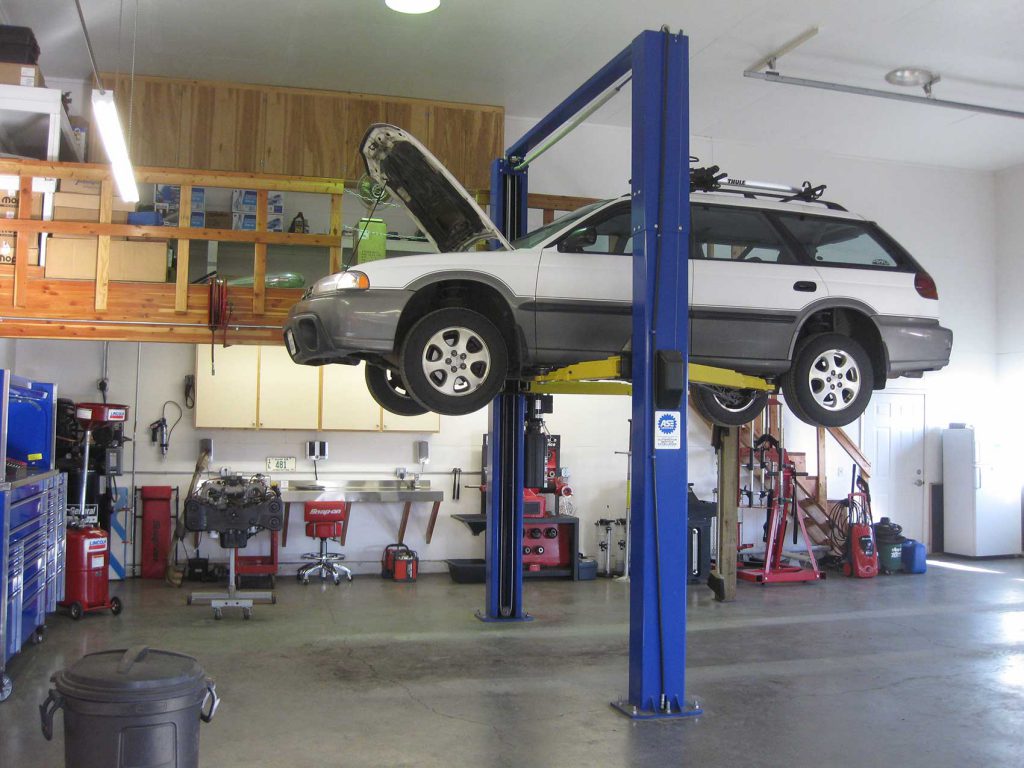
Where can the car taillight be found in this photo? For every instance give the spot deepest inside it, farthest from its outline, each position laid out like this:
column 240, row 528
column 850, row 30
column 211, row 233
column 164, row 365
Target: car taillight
column 925, row 286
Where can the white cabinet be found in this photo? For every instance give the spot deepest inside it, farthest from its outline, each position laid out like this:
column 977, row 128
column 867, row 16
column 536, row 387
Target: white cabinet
column 345, row 402
column 229, row 398
column 289, row 393
column 260, row 387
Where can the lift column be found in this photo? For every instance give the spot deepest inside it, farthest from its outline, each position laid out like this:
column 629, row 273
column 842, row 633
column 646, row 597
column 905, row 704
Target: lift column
column 661, row 226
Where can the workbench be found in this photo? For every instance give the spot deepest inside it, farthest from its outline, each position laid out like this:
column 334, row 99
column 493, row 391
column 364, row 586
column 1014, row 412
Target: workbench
column 351, row 492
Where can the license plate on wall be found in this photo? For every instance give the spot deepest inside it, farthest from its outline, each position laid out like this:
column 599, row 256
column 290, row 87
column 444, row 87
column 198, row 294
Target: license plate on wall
column 280, row 464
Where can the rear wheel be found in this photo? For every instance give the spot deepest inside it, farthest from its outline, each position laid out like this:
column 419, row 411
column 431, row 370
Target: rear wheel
column 454, row 361
column 829, row 383
column 390, row 393
column 116, row 606
column 726, row 406
column 75, row 611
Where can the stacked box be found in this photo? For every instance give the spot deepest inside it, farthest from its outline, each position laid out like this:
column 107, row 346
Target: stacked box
column 243, row 210
column 21, row 74
column 129, row 261
column 247, row 222
column 167, row 200
column 8, row 239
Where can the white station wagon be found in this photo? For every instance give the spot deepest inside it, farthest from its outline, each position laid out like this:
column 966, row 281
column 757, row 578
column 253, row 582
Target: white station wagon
column 801, row 292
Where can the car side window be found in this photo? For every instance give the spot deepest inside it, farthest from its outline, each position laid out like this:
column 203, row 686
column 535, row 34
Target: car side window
column 605, row 232
column 735, row 234
column 838, row 241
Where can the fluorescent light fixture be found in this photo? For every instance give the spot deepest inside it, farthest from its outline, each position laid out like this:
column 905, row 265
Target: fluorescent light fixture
column 105, row 114
column 413, row 6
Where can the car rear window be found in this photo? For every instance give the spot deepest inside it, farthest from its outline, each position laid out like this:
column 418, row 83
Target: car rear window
column 839, row 242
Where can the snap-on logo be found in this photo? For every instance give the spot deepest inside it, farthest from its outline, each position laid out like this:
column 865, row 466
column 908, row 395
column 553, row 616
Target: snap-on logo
column 324, row 512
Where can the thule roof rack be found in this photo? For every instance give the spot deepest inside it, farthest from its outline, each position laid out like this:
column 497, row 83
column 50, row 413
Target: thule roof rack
column 713, row 179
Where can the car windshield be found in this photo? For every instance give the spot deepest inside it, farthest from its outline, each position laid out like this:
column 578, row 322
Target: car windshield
column 538, row 236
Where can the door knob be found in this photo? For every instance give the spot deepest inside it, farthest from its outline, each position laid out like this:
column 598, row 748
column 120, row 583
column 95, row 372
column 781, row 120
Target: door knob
column 919, row 482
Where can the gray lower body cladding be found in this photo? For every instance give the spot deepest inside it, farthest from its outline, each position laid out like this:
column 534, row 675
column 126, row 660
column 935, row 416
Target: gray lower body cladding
column 914, row 344
column 344, row 327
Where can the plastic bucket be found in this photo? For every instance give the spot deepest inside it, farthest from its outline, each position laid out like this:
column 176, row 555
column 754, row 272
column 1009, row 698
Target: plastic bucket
column 890, row 557
column 128, row 708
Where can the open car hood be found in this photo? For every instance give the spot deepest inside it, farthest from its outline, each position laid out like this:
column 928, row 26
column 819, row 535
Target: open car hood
column 442, row 207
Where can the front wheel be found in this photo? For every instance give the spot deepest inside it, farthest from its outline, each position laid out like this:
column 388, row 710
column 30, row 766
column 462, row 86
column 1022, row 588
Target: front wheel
column 726, row 406
column 830, row 380
column 76, row 611
column 390, row 393
column 116, row 606
column 454, row 361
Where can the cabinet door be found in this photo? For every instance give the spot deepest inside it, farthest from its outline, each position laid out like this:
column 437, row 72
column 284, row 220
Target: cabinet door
column 360, row 113
column 282, row 138
column 289, row 393
column 221, row 128
column 227, row 399
column 426, row 422
column 345, row 403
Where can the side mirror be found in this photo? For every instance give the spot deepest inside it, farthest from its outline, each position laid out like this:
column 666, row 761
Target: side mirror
column 578, row 240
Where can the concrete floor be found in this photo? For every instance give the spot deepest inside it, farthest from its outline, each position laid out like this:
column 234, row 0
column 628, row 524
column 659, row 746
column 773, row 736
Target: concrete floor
column 904, row 670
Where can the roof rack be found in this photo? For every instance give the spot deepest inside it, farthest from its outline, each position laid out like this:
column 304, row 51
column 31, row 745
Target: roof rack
column 712, row 179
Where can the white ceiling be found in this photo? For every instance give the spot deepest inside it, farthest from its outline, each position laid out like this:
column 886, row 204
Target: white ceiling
column 528, row 54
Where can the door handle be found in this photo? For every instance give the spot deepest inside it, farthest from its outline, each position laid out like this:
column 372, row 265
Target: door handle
column 919, row 482
column 807, row 286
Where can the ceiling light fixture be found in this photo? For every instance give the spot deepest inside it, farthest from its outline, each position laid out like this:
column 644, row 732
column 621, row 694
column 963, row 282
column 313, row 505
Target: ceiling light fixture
column 767, row 69
column 913, row 76
column 413, row 6
column 109, row 124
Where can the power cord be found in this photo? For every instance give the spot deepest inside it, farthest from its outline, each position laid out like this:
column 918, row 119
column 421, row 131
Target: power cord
column 158, row 430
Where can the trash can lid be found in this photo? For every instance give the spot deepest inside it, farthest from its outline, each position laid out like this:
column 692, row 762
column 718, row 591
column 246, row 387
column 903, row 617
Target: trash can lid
column 130, row 674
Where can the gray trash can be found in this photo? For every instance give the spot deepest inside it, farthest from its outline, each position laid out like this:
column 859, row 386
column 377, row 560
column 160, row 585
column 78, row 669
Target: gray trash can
column 130, row 708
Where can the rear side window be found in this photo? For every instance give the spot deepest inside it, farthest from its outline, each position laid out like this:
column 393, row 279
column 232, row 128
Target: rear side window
column 839, row 242
column 735, row 234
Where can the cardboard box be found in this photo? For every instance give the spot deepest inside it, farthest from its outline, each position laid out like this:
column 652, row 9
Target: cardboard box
column 130, row 261
column 21, row 74
column 9, row 205
column 75, row 206
column 170, row 194
column 7, row 248
column 80, row 187
column 218, row 220
column 244, row 201
column 247, row 222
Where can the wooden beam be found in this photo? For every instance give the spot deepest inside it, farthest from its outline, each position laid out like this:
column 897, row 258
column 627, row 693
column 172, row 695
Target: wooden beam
column 728, row 512
column 821, row 495
column 103, row 246
column 169, row 233
column 178, row 176
column 181, row 275
column 21, row 243
column 335, row 230
column 259, row 266
column 854, row 452
column 549, row 215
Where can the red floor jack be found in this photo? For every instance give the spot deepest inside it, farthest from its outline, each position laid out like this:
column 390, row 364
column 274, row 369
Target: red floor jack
column 780, row 475
column 88, row 583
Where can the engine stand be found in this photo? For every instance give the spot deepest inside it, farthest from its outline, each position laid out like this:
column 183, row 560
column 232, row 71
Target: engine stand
column 233, row 598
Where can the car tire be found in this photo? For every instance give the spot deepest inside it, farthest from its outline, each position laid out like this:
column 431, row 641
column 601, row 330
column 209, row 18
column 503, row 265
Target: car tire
column 830, row 381
column 477, row 354
column 389, row 391
column 728, row 407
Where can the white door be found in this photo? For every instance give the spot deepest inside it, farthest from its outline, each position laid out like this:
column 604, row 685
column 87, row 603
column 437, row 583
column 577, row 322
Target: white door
column 894, row 444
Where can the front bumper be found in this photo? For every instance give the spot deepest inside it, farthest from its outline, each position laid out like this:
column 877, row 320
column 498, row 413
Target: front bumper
column 914, row 344
column 345, row 326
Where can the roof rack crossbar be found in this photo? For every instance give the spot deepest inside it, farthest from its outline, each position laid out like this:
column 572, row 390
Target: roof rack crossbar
column 710, row 179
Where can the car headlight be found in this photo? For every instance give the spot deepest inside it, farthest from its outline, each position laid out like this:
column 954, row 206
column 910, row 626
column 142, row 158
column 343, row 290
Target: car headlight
column 348, row 280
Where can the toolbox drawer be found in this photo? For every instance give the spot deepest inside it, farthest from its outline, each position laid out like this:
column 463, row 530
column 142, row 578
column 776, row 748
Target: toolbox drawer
column 23, row 511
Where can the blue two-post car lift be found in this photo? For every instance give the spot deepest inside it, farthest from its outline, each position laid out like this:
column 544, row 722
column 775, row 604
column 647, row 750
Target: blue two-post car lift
column 657, row 62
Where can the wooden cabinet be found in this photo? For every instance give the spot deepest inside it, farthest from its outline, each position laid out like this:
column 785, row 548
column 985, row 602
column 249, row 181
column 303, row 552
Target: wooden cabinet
column 295, row 132
column 345, row 402
column 260, row 387
column 229, row 398
column 289, row 394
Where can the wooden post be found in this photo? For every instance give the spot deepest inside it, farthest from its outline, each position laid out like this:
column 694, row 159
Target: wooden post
column 21, row 243
column 184, row 221
column 259, row 267
column 335, row 230
column 821, row 492
column 103, row 245
column 728, row 513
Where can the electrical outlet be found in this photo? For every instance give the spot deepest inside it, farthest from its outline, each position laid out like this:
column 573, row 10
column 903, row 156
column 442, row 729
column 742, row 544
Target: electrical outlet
column 400, row 473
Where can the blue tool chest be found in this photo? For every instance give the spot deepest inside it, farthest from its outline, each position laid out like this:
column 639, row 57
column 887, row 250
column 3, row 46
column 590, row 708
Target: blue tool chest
column 33, row 530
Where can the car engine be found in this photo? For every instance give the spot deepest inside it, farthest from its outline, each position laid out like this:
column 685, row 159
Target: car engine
column 235, row 507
